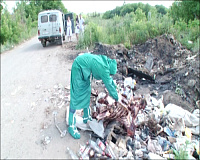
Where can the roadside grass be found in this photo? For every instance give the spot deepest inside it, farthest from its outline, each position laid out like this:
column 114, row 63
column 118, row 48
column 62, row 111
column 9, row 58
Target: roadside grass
column 22, row 38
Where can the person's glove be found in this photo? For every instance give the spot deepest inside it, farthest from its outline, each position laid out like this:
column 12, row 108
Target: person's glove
column 116, row 103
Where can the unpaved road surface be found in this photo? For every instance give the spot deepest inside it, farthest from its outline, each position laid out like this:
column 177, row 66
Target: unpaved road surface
column 28, row 74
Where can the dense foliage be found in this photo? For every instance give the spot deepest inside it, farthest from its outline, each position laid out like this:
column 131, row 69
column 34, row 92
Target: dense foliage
column 185, row 10
column 128, row 8
column 135, row 23
column 22, row 23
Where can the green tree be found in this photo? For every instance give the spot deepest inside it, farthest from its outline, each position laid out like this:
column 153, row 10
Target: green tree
column 147, row 9
column 140, row 15
column 161, row 9
column 1, row 6
column 53, row 4
column 6, row 26
column 28, row 23
column 185, row 10
column 126, row 9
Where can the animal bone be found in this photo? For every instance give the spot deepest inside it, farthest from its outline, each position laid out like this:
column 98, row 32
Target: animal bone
column 62, row 133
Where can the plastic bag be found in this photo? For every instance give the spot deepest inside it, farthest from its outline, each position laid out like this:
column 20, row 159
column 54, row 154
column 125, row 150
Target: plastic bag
column 177, row 112
column 97, row 127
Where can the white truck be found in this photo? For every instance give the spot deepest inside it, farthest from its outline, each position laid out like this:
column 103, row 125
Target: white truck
column 51, row 25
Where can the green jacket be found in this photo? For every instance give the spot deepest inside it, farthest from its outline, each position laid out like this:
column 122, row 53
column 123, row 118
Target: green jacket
column 101, row 67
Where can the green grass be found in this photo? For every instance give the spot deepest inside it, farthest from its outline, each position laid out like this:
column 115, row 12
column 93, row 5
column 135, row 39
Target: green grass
column 128, row 31
column 182, row 152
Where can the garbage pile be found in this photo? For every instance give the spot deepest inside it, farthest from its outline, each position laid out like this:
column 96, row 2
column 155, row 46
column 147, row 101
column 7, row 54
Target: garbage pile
column 138, row 127
column 157, row 115
column 160, row 64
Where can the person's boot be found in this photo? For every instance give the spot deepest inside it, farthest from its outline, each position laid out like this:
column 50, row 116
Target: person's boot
column 72, row 125
column 86, row 115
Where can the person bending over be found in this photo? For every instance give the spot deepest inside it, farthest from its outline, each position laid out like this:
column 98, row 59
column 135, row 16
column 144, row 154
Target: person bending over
column 84, row 66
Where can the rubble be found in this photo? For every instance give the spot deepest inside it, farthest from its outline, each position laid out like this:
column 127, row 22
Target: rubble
column 137, row 127
column 157, row 130
column 161, row 63
column 46, row 141
column 73, row 156
column 157, row 115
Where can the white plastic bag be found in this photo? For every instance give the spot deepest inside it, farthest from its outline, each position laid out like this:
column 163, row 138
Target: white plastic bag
column 81, row 125
column 129, row 82
column 176, row 112
column 97, row 127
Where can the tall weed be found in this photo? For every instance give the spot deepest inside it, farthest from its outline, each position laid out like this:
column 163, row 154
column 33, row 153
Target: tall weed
column 185, row 33
column 134, row 28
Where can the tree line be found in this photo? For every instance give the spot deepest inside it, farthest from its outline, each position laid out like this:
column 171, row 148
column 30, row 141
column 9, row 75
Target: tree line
column 180, row 10
column 128, row 8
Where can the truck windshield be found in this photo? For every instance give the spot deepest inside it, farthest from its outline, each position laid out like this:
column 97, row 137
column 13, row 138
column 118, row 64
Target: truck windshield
column 44, row 19
column 52, row 18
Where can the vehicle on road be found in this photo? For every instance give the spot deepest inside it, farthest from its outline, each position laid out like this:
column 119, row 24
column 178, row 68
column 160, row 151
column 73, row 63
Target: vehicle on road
column 51, row 25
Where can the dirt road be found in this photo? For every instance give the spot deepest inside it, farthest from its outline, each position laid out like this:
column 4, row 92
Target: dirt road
column 28, row 73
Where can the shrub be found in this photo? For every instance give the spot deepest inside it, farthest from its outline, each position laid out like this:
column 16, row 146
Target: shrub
column 134, row 28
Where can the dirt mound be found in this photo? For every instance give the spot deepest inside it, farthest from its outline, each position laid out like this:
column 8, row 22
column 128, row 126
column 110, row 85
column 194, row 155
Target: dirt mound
column 165, row 62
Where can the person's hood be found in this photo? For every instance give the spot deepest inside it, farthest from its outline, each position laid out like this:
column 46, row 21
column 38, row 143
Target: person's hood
column 113, row 66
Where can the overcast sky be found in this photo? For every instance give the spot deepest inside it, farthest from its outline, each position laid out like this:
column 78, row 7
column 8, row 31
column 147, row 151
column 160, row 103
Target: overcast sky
column 98, row 6
column 103, row 6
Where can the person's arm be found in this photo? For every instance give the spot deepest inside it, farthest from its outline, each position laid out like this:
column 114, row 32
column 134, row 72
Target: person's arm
column 110, row 85
column 102, row 72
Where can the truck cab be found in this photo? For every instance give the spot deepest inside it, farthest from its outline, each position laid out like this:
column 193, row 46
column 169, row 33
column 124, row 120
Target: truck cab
column 51, row 27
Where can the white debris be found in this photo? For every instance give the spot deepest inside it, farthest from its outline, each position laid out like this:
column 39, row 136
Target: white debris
column 129, row 82
column 176, row 112
column 154, row 156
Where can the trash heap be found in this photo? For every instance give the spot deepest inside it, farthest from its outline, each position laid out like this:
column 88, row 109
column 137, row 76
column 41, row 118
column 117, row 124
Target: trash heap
column 157, row 115
column 160, row 64
column 138, row 127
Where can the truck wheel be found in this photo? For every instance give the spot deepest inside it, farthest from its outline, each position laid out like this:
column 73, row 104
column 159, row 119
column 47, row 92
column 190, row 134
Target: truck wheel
column 44, row 43
column 61, row 40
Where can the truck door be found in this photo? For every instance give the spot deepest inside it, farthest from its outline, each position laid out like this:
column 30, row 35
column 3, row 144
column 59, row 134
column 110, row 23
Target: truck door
column 53, row 21
column 44, row 25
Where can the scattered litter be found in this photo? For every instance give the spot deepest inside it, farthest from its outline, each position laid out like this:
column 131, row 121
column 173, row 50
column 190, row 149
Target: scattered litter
column 149, row 63
column 190, row 42
column 154, row 156
column 97, row 127
column 129, row 82
column 62, row 133
column 73, row 156
column 188, row 133
column 169, row 132
column 81, row 125
column 45, row 125
column 139, row 154
column 46, row 140
column 154, row 146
